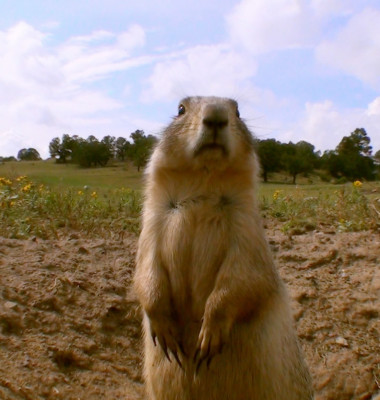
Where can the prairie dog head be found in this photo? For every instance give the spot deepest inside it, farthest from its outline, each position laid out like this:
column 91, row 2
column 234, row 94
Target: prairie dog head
column 207, row 133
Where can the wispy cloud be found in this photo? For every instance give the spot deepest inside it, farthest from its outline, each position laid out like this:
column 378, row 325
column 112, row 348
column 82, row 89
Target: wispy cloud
column 355, row 49
column 44, row 89
column 200, row 70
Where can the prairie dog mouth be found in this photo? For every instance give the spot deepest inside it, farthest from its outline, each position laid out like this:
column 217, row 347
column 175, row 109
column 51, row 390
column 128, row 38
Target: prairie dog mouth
column 210, row 147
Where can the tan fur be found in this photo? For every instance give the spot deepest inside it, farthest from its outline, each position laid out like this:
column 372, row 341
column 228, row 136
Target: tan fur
column 205, row 278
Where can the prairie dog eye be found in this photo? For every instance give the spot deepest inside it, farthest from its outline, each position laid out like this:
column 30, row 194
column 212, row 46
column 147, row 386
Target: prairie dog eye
column 181, row 109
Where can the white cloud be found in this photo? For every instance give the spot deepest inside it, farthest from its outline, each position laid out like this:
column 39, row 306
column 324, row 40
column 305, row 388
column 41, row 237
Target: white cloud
column 334, row 7
column 201, row 70
column 91, row 57
column 262, row 26
column 374, row 108
column 324, row 124
column 44, row 89
column 355, row 50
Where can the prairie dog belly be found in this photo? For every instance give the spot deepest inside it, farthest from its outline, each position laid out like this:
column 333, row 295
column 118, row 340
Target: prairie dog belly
column 194, row 238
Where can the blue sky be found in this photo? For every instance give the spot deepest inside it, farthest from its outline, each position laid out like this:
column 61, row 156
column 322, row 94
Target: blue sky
column 301, row 70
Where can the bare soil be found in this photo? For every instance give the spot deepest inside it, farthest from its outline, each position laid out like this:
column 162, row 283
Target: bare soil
column 70, row 325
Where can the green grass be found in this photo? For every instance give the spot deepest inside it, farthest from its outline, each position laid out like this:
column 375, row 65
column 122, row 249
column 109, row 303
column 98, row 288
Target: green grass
column 349, row 207
column 62, row 176
column 46, row 199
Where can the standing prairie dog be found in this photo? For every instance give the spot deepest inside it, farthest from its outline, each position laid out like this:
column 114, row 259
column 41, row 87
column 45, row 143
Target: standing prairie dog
column 216, row 314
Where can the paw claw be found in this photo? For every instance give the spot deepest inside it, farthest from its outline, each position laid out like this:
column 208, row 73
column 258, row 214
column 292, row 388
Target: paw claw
column 180, row 346
column 198, row 366
column 196, row 354
column 175, row 354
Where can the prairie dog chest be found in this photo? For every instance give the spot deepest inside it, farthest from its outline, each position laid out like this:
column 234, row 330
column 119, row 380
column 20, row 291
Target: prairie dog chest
column 195, row 235
column 202, row 219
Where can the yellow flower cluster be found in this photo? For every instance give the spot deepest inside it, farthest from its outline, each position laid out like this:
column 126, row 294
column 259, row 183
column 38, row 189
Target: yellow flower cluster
column 5, row 182
column 276, row 194
column 94, row 195
column 27, row 187
column 358, row 184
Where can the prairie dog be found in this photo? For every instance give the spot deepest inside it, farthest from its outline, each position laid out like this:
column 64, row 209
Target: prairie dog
column 217, row 322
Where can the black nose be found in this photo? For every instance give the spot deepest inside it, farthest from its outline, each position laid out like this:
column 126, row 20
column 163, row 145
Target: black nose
column 215, row 116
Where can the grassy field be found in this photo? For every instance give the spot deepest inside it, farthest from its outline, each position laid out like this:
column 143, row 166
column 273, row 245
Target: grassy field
column 44, row 199
column 63, row 176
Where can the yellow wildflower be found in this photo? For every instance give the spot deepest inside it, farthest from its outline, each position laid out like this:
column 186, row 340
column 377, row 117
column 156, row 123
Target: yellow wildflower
column 358, row 184
column 27, row 187
column 20, row 178
column 276, row 194
column 94, row 195
column 5, row 181
column 80, row 192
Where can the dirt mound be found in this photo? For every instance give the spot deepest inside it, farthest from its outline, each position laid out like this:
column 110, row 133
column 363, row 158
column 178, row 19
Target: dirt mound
column 70, row 326
column 334, row 283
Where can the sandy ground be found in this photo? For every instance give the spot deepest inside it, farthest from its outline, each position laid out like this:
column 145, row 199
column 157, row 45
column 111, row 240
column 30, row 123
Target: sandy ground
column 70, row 325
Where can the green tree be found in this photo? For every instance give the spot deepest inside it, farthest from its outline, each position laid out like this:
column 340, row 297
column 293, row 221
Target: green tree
column 298, row 158
column 110, row 142
column 29, row 154
column 332, row 163
column 63, row 150
column 141, row 148
column 357, row 143
column 123, row 148
column 377, row 156
column 354, row 152
column 269, row 152
column 91, row 152
column 55, row 148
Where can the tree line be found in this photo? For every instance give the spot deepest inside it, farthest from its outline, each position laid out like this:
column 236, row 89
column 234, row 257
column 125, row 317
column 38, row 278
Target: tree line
column 91, row 152
column 352, row 159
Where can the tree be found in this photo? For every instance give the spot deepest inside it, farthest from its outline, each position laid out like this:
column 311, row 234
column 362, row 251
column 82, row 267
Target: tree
column 28, row 155
column 123, row 148
column 332, row 163
column 354, row 153
column 110, row 142
column 377, row 156
column 357, row 143
column 91, row 152
column 7, row 159
column 55, row 148
column 141, row 148
column 298, row 158
column 269, row 152
column 63, row 151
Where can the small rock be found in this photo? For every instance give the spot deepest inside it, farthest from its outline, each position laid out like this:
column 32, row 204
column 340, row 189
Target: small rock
column 10, row 305
column 341, row 341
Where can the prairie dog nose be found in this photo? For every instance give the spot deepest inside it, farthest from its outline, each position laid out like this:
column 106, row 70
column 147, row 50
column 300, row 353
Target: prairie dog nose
column 215, row 116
